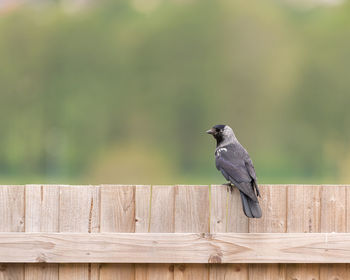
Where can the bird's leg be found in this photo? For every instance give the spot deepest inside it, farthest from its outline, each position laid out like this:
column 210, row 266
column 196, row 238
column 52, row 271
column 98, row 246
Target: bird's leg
column 230, row 186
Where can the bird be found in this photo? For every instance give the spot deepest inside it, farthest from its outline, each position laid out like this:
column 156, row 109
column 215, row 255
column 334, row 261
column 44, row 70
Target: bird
column 233, row 161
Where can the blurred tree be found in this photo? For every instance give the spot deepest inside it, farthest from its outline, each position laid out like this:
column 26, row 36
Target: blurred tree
column 118, row 82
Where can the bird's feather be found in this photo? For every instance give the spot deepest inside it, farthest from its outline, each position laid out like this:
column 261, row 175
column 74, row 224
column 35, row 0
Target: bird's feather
column 231, row 161
column 250, row 208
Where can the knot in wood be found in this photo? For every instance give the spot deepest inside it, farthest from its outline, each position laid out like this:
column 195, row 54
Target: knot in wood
column 214, row 259
column 206, row 235
column 2, row 267
column 182, row 267
column 171, row 268
column 41, row 258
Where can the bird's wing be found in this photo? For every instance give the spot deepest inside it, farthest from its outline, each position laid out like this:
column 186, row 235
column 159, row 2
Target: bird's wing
column 250, row 167
column 236, row 172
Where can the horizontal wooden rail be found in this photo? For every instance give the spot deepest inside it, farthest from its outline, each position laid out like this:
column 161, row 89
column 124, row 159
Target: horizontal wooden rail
column 175, row 248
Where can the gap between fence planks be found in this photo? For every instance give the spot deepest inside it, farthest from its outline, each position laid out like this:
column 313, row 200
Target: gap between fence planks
column 175, row 248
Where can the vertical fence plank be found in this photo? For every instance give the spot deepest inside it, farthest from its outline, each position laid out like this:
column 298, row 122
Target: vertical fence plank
column 117, row 215
column 303, row 211
column 142, row 208
column 267, row 271
column 117, row 208
column 191, row 209
column 301, row 271
column 12, row 208
column 333, row 219
column 273, row 203
column 79, row 212
column 142, row 217
column 41, row 214
column 218, row 208
column 236, row 220
column 333, row 207
column 304, row 206
column 162, row 209
column 161, row 220
column 226, row 215
column 12, row 220
column 347, row 190
column 191, row 215
column 42, row 205
column 41, row 271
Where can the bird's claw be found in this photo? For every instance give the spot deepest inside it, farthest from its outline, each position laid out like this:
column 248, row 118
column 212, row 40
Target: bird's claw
column 230, row 186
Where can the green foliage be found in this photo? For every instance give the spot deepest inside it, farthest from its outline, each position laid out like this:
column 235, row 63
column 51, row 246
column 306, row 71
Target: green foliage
column 81, row 91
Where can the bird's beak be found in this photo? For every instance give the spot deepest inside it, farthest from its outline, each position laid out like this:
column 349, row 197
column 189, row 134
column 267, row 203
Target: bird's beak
column 210, row 131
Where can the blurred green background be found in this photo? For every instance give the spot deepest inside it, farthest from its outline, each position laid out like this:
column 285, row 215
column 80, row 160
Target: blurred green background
column 123, row 91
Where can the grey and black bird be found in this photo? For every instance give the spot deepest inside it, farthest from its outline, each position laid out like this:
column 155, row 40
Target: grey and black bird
column 235, row 164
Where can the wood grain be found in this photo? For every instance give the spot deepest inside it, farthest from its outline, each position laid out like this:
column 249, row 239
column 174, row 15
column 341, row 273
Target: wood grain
column 333, row 209
column 334, row 272
column 12, row 220
column 117, row 215
column 273, row 203
column 117, row 208
column 142, row 208
column 218, row 208
column 304, row 206
column 78, row 212
column 191, row 215
column 42, row 208
column 236, row 220
column 12, row 208
column 302, row 271
column 191, row 209
column 333, row 219
column 226, row 215
column 162, row 209
column 267, row 271
column 41, row 214
column 68, row 211
column 347, row 188
column 162, row 220
column 142, row 222
column 175, row 247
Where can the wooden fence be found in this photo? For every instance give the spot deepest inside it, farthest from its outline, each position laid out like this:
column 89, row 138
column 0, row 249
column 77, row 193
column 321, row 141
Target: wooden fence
column 110, row 232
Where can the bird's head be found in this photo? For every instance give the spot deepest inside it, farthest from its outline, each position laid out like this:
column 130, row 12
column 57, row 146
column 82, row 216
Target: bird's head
column 222, row 133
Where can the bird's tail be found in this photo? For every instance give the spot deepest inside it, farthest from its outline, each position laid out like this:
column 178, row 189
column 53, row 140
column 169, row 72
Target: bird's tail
column 251, row 208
